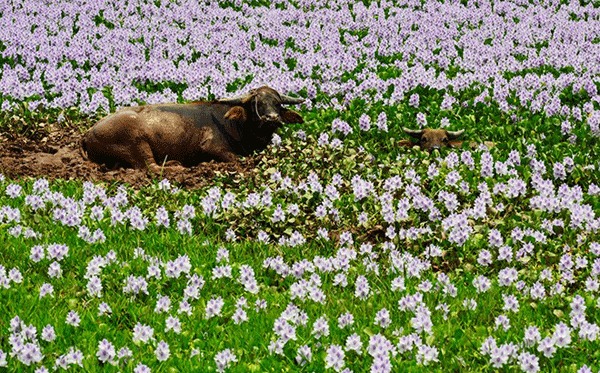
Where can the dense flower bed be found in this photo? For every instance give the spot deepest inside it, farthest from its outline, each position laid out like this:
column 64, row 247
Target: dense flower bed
column 89, row 54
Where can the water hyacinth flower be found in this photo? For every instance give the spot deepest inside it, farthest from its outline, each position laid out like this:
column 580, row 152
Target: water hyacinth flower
column 214, row 307
column 162, row 351
column 223, row 271
column 135, row 285
column 421, row 120
column 224, row 359
column 37, row 253
column 364, row 122
column 94, row 287
column 414, row 100
column 3, row 362
column 353, row 343
column 345, row 319
column 382, row 318
column 141, row 368
column 341, row 126
column 380, row 348
column 46, row 289
column 163, row 304
column 29, row 353
column 104, row 309
column 72, row 357
column 57, row 251
column 484, row 258
column 427, row 354
column 162, row 217
column 320, row 328
column 106, row 351
column 547, row 347
column 361, row 289
column 381, row 123
column 13, row 190
column 335, row 358
column 502, row 321
column 73, row 319
column 142, row 333
column 304, row 355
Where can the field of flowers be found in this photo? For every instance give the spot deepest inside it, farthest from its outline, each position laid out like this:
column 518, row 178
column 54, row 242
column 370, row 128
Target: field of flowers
column 345, row 252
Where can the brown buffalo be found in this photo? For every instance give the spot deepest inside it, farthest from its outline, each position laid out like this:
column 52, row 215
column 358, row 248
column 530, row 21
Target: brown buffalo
column 430, row 138
column 146, row 136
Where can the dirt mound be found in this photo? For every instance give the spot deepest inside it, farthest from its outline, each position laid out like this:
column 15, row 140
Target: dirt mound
column 57, row 156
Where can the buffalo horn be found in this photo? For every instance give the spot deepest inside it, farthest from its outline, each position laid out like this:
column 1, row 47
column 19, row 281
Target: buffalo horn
column 291, row 100
column 414, row 133
column 237, row 100
column 454, row 134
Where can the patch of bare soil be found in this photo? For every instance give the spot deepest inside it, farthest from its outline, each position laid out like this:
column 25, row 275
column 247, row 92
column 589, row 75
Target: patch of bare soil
column 57, row 155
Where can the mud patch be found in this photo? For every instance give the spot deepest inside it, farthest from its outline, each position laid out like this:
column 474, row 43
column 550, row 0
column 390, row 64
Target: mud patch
column 57, row 156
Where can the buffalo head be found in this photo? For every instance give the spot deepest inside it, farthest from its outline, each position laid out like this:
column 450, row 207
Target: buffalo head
column 263, row 106
column 430, row 138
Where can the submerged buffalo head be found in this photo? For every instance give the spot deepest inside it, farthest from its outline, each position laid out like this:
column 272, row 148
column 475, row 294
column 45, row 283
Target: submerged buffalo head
column 263, row 106
column 430, row 138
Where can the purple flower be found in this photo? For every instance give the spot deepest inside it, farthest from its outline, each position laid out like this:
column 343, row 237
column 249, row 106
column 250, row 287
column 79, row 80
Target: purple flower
column 353, row 343
column 362, row 288
column 304, row 355
column 73, row 319
column 104, row 309
column 106, row 351
column 142, row 333
column 382, row 124
column 320, row 328
column 382, row 318
column 364, row 122
column 335, row 358
column 214, row 307
column 339, row 125
column 224, row 359
column 141, row 368
column 345, row 319
column 421, row 120
column 48, row 333
column 547, row 347
column 162, row 351
column 135, row 285
column 426, row 354
column 46, row 289
column 13, row 190
column 414, row 100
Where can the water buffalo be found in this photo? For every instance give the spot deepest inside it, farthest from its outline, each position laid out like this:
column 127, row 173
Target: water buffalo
column 152, row 135
column 430, row 138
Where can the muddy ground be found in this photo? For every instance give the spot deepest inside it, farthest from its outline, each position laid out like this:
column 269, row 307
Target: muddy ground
column 56, row 155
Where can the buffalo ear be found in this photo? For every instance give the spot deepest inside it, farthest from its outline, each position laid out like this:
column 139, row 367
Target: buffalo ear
column 290, row 116
column 237, row 113
column 455, row 143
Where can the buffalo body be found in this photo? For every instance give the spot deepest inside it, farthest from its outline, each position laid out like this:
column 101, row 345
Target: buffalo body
column 187, row 134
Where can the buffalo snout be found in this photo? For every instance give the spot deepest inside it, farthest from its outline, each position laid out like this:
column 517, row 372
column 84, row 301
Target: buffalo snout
column 273, row 118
